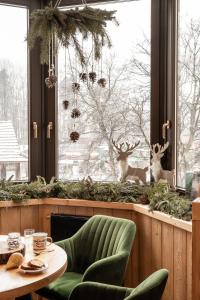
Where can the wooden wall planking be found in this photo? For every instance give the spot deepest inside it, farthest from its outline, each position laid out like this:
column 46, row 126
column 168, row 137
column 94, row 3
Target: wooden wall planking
column 157, row 244
column 168, row 258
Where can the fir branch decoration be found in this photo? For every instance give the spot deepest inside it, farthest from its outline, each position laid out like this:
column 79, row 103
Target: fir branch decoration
column 65, row 26
column 158, row 196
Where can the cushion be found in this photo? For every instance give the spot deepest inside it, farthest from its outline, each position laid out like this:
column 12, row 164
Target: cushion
column 61, row 288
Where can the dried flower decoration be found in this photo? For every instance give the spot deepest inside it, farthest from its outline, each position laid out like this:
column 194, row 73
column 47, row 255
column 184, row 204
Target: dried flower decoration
column 92, row 76
column 102, row 82
column 51, row 81
column 83, row 77
column 75, row 87
column 74, row 136
column 75, row 113
column 65, row 104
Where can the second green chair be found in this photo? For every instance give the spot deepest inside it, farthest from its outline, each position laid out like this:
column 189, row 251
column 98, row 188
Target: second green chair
column 99, row 252
column 151, row 288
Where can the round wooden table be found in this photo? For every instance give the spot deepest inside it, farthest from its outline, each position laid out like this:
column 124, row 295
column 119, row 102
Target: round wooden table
column 14, row 283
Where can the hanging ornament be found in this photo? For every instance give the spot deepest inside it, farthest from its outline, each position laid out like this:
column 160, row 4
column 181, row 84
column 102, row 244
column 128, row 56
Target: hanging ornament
column 75, row 113
column 74, row 136
column 92, row 76
column 102, row 82
column 83, row 77
column 65, row 104
column 52, row 78
column 75, row 87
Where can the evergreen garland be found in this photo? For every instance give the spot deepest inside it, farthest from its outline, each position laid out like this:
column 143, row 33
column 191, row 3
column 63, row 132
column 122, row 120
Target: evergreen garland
column 65, row 25
column 159, row 196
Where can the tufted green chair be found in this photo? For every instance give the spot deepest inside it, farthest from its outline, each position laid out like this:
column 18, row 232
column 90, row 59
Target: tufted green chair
column 99, row 252
column 151, row 288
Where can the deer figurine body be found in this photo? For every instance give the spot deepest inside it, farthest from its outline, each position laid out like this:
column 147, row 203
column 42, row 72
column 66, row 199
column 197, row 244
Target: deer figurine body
column 157, row 152
column 138, row 174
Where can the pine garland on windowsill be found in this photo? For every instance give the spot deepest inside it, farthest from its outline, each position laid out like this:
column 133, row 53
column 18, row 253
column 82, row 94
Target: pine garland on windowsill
column 158, row 196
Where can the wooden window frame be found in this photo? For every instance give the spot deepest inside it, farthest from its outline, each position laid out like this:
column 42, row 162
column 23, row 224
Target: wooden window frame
column 163, row 87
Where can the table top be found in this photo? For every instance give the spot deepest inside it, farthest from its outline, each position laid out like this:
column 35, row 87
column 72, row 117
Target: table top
column 15, row 283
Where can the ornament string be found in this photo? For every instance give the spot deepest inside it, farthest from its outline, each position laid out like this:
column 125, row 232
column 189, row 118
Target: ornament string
column 70, row 63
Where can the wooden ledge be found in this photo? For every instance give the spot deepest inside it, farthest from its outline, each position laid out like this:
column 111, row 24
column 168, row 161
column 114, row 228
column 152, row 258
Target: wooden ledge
column 139, row 208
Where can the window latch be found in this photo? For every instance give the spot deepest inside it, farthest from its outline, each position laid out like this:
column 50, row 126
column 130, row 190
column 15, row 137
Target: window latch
column 49, row 128
column 35, row 130
column 165, row 127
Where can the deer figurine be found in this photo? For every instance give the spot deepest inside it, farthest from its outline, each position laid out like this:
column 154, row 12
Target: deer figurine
column 138, row 174
column 157, row 152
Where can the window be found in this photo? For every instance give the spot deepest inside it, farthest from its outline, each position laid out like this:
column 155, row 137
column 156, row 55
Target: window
column 120, row 111
column 14, row 150
column 188, row 100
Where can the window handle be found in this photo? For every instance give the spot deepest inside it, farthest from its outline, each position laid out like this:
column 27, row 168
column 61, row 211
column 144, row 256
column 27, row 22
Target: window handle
column 165, row 127
column 35, row 130
column 49, row 128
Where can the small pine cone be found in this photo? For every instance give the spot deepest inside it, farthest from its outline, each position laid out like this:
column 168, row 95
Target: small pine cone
column 143, row 199
column 75, row 87
column 74, row 136
column 102, row 82
column 92, row 76
column 75, row 113
column 83, row 77
column 65, row 104
column 51, row 81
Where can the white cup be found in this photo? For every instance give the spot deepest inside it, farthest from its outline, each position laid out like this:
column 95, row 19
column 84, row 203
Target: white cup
column 41, row 241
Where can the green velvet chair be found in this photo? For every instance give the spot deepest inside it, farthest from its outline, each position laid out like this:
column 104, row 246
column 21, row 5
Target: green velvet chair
column 99, row 252
column 151, row 288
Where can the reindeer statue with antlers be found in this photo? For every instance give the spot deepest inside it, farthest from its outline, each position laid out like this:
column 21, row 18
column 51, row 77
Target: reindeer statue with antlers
column 138, row 174
column 157, row 152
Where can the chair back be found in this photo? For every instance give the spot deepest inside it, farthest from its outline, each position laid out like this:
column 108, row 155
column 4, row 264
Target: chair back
column 151, row 288
column 101, row 237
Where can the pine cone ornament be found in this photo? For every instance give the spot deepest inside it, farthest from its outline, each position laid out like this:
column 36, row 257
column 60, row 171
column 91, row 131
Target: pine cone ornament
column 102, row 82
column 75, row 87
column 74, row 136
column 92, row 76
column 83, row 77
column 75, row 113
column 51, row 81
column 65, row 104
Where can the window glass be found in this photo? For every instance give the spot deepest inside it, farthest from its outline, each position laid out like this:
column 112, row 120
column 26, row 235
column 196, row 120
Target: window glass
column 13, row 93
column 188, row 100
column 119, row 111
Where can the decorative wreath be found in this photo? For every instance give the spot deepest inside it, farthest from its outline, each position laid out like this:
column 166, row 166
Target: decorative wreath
column 50, row 24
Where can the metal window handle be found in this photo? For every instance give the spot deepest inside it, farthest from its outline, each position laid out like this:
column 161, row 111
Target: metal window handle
column 165, row 127
column 35, row 130
column 49, row 128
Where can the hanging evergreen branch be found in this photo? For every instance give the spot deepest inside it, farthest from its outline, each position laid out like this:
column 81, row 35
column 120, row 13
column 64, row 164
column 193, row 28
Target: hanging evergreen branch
column 66, row 25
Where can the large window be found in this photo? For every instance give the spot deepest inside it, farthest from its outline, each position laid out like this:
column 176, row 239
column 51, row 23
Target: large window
column 188, row 102
column 120, row 111
column 13, row 93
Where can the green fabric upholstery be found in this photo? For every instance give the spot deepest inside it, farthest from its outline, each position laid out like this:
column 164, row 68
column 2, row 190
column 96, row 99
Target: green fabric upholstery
column 99, row 252
column 151, row 288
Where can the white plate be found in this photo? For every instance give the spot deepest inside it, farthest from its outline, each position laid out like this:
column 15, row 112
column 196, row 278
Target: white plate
column 34, row 271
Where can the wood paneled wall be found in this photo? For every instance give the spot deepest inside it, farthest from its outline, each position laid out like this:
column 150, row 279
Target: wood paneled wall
column 158, row 244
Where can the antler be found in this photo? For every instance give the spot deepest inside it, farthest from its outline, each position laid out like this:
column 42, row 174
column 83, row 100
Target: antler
column 119, row 148
column 131, row 148
column 160, row 148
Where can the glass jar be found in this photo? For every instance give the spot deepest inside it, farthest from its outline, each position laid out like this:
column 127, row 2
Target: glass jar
column 13, row 240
